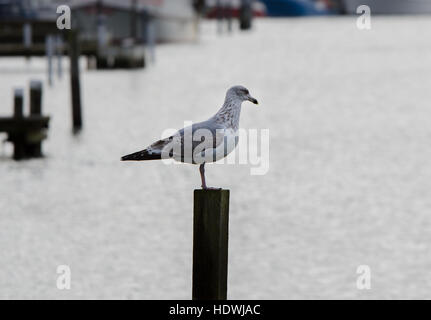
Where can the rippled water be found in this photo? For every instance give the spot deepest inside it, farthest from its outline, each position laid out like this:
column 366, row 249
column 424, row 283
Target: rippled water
column 349, row 181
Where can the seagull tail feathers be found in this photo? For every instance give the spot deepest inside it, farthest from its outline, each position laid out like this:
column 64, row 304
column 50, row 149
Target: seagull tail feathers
column 141, row 156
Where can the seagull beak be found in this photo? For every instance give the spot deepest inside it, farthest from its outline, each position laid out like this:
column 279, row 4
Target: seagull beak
column 251, row 99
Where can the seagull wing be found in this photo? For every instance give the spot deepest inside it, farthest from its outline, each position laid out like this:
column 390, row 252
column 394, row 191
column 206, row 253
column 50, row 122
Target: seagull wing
column 184, row 144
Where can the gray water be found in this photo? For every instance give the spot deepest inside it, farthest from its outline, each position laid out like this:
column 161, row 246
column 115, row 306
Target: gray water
column 349, row 181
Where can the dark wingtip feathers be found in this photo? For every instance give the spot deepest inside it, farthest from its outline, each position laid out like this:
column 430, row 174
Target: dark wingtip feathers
column 141, row 156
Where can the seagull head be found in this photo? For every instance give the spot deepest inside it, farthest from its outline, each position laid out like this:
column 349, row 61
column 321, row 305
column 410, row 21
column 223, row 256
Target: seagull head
column 241, row 93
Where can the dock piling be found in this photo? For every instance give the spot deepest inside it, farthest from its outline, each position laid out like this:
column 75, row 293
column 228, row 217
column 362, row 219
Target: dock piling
column 229, row 15
column 49, row 49
column 219, row 17
column 19, row 150
column 245, row 15
column 101, row 27
column 134, row 19
column 26, row 132
column 59, row 53
column 27, row 35
column 75, row 81
column 151, row 38
column 18, row 105
column 35, row 149
column 35, row 97
column 210, row 244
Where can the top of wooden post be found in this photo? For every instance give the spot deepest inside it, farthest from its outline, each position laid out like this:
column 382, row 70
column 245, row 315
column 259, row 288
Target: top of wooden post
column 212, row 190
column 18, row 92
column 212, row 194
column 18, row 102
column 36, row 85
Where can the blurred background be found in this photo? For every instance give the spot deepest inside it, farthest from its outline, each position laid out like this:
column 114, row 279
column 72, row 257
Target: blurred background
column 348, row 112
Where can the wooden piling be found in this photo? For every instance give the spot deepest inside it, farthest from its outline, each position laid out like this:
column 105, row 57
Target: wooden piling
column 245, row 15
column 75, row 81
column 49, row 49
column 35, row 149
column 19, row 150
column 101, row 27
column 228, row 15
column 35, row 97
column 219, row 16
column 59, row 54
column 18, row 104
column 210, row 244
column 151, row 37
column 27, row 35
column 134, row 19
column 26, row 132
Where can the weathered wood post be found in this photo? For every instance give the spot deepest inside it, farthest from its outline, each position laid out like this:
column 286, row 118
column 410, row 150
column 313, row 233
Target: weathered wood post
column 134, row 19
column 27, row 34
column 75, row 81
column 340, row 4
column 19, row 151
column 210, row 244
column 229, row 15
column 18, row 103
column 49, row 51
column 59, row 53
column 150, row 34
column 219, row 16
column 35, row 149
column 102, row 60
column 245, row 15
column 35, row 97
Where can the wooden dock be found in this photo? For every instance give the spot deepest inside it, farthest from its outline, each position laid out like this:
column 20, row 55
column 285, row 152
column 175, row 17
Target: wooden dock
column 28, row 38
column 24, row 37
column 26, row 132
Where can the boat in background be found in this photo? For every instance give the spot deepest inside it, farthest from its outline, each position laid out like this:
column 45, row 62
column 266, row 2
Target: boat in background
column 294, row 8
column 390, row 7
column 174, row 20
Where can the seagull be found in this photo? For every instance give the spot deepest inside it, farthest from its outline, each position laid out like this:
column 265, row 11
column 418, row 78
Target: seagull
column 206, row 141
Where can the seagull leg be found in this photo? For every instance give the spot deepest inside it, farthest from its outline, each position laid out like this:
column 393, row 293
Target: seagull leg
column 202, row 171
column 204, row 185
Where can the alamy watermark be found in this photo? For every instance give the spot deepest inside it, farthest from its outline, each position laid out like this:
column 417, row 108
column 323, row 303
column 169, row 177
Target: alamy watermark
column 64, row 277
column 364, row 21
column 363, row 281
column 220, row 146
column 64, row 21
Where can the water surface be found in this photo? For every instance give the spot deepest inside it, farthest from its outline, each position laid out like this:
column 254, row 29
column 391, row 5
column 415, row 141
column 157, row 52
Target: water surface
column 349, row 181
